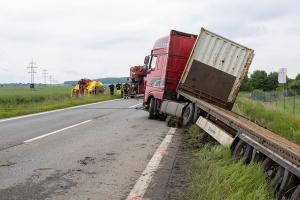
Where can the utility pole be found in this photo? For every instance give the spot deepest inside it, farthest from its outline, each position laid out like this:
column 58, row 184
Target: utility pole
column 45, row 76
column 50, row 79
column 32, row 71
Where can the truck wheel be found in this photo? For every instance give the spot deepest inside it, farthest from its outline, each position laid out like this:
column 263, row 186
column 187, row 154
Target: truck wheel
column 270, row 167
column 243, row 151
column 296, row 194
column 276, row 181
column 188, row 114
column 288, row 182
column 152, row 109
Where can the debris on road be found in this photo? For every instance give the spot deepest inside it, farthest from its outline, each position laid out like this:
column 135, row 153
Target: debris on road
column 87, row 160
column 7, row 164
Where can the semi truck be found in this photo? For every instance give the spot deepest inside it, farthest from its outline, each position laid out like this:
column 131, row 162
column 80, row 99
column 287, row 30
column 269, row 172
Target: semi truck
column 197, row 78
column 137, row 80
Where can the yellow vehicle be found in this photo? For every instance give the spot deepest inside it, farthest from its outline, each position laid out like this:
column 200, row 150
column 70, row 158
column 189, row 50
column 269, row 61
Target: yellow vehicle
column 94, row 88
column 87, row 87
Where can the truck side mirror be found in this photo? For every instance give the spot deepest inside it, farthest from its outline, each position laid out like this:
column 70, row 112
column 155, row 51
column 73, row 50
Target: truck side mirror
column 146, row 60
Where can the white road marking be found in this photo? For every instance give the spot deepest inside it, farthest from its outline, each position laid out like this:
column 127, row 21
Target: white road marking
column 143, row 182
column 136, row 105
column 57, row 131
column 52, row 111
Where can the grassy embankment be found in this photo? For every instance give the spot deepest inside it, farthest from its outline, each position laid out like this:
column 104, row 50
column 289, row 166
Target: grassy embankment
column 16, row 101
column 215, row 174
column 274, row 118
column 289, row 104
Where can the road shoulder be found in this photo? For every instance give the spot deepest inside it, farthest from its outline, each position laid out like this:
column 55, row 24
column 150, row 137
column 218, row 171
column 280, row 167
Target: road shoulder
column 171, row 180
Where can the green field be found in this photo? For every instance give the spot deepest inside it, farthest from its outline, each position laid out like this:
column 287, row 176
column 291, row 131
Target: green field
column 16, row 101
column 290, row 104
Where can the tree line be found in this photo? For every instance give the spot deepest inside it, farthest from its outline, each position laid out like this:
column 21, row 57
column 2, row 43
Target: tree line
column 260, row 80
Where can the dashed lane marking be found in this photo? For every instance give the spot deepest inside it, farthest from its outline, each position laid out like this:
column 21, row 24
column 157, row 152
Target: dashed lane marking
column 57, row 131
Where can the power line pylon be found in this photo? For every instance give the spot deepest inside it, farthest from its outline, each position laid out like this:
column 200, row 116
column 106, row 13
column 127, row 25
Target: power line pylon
column 32, row 66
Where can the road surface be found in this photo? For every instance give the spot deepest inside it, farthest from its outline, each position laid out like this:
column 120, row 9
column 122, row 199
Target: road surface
column 97, row 151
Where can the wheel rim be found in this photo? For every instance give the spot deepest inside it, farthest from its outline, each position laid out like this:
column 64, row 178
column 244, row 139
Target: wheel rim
column 242, row 151
column 271, row 171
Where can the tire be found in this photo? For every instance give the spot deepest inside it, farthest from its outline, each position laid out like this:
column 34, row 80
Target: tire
column 288, row 182
column 188, row 114
column 296, row 194
column 243, row 151
column 270, row 167
column 152, row 109
column 276, row 181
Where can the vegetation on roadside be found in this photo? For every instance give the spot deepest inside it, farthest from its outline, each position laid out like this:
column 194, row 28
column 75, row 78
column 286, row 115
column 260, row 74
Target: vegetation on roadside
column 16, row 101
column 216, row 174
column 260, row 80
column 273, row 118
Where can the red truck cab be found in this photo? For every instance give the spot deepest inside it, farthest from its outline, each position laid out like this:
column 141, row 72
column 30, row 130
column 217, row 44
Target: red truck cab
column 165, row 66
column 137, row 80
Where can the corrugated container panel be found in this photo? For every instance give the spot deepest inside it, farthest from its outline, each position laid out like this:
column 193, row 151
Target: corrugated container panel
column 221, row 54
column 212, row 50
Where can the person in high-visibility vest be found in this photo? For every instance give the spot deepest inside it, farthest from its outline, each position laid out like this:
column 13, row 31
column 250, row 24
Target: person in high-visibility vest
column 122, row 90
column 112, row 89
column 118, row 87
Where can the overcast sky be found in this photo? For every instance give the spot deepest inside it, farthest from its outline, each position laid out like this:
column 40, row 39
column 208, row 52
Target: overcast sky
column 103, row 38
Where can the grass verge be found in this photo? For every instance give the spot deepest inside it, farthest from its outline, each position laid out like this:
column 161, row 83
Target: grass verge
column 21, row 101
column 216, row 174
column 283, row 123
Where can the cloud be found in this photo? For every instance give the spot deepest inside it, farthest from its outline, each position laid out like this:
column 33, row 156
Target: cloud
column 74, row 39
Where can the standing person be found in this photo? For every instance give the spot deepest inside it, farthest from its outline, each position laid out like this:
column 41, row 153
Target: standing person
column 126, row 90
column 112, row 89
column 118, row 86
column 122, row 90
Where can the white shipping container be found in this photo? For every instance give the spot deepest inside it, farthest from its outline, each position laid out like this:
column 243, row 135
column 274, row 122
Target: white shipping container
column 216, row 68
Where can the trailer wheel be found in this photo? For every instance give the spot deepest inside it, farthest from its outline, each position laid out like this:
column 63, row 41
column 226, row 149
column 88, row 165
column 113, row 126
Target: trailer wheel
column 296, row 194
column 188, row 114
column 152, row 109
column 243, row 151
column 275, row 182
column 270, row 167
column 287, row 183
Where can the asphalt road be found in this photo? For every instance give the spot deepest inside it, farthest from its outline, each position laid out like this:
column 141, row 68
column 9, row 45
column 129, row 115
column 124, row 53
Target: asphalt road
column 91, row 152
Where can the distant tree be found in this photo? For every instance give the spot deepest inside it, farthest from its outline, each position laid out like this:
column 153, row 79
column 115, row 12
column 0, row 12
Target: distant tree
column 295, row 85
column 245, row 85
column 258, row 80
column 272, row 81
column 298, row 77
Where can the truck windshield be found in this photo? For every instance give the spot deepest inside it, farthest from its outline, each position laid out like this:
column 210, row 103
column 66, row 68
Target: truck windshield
column 153, row 62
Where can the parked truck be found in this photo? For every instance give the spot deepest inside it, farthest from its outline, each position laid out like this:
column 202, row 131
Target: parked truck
column 137, row 80
column 197, row 78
